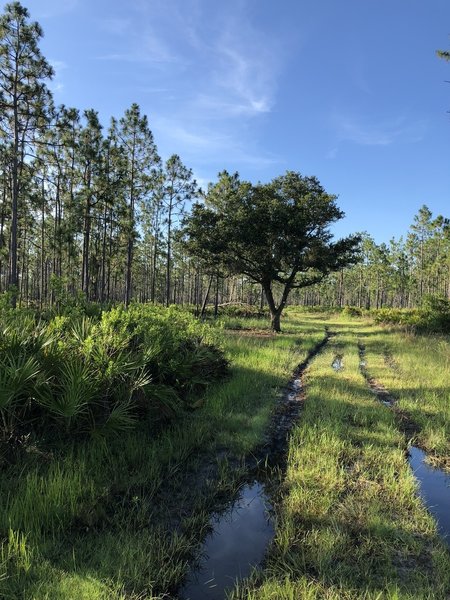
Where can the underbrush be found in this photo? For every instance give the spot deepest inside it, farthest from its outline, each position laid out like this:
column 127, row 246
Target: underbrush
column 78, row 375
column 97, row 521
column 242, row 311
column 432, row 317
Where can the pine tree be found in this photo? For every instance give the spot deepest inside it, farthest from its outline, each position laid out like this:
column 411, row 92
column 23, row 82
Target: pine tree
column 24, row 99
column 142, row 169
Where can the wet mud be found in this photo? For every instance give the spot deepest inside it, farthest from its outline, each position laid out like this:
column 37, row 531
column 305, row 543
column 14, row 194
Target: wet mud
column 241, row 532
column 236, row 544
column 376, row 387
column 434, row 483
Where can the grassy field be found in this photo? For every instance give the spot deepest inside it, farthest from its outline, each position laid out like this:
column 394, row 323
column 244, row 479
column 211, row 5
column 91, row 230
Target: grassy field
column 91, row 520
column 96, row 521
column 350, row 524
column 416, row 370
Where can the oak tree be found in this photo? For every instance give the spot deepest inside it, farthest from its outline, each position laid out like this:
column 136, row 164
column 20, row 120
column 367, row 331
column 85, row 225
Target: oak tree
column 276, row 234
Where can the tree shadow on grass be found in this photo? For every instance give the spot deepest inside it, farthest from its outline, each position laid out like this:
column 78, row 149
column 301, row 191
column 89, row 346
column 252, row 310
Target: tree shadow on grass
column 375, row 556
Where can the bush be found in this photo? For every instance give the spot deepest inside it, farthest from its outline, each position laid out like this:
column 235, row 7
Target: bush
column 352, row 311
column 241, row 310
column 433, row 316
column 77, row 374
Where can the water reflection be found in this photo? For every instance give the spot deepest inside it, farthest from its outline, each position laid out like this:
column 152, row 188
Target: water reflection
column 434, row 489
column 338, row 363
column 237, row 544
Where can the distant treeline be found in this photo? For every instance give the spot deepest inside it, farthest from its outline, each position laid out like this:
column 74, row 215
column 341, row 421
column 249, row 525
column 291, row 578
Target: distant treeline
column 401, row 274
column 89, row 214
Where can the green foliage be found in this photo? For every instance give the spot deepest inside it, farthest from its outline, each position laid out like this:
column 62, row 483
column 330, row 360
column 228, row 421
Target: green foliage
column 433, row 316
column 95, row 515
column 352, row 311
column 77, row 374
column 276, row 233
column 240, row 310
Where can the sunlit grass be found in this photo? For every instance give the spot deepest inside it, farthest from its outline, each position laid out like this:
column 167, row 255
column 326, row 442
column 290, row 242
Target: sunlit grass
column 92, row 521
column 350, row 524
column 415, row 369
column 96, row 521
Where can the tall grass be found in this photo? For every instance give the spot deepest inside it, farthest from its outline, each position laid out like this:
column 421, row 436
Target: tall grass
column 351, row 524
column 104, row 514
column 415, row 369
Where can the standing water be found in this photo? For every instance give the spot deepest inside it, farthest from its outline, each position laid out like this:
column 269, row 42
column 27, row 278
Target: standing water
column 434, row 489
column 237, row 544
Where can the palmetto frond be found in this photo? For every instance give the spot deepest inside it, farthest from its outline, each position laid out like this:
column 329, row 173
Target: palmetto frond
column 75, row 388
column 18, row 375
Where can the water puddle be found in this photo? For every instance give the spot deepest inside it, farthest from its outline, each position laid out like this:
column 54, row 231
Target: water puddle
column 434, row 484
column 434, row 490
column 240, row 536
column 377, row 388
column 338, row 363
column 295, row 387
column 237, row 544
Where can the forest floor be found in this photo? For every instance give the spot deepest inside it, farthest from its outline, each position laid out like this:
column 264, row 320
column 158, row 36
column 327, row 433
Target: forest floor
column 127, row 520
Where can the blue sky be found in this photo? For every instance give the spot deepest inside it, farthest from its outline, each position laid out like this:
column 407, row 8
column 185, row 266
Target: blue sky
column 348, row 90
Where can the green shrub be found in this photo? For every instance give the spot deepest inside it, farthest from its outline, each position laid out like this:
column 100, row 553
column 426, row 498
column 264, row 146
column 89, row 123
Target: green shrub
column 77, row 374
column 242, row 310
column 433, row 316
column 352, row 311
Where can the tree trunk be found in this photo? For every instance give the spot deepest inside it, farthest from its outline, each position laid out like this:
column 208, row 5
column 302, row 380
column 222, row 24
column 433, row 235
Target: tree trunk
column 275, row 318
column 216, row 299
column 205, row 301
column 169, row 249
column 275, row 312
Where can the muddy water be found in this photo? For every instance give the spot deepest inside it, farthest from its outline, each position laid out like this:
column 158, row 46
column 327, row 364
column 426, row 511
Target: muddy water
column 434, row 484
column 240, row 536
column 237, row 544
column 338, row 363
column 434, row 490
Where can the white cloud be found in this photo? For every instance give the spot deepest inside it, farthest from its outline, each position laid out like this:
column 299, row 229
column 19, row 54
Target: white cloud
column 234, row 66
column 365, row 132
column 47, row 9
column 246, row 76
column 208, row 145
column 117, row 25
column 58, row 65
column 332, row 153
column 57, row 85
column 209, row 75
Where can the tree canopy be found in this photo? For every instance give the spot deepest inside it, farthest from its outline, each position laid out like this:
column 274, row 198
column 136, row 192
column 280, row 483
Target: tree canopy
column 275, row 233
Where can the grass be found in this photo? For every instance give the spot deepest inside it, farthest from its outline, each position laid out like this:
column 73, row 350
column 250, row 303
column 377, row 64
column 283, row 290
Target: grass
column 123, row 520
column 350, row 524
column 415, row 370
column 93, row 520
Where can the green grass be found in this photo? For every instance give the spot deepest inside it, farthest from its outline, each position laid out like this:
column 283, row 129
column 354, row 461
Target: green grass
column 415, row 369
column 96, row 520
column 350, row 524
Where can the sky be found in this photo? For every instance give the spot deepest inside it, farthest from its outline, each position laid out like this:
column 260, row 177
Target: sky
column 350, row 91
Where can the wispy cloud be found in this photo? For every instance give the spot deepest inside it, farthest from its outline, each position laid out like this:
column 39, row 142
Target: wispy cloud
column 211, row 146
column 209, row 74
column 246, row 72
column 47, row 9
column 233, row 66
column 117, row 25
column 332, row 153
column 367, row 132
column 57, row 84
